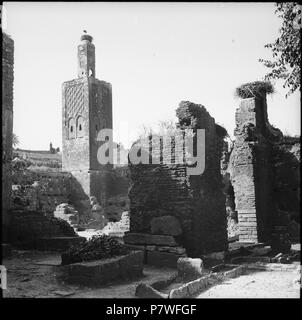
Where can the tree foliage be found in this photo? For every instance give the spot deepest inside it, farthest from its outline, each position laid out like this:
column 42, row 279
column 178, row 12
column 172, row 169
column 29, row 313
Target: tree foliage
column 16, row 140
column 286, row 48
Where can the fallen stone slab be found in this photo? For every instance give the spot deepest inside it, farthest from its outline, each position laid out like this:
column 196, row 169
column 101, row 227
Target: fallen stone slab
column 144, row 290
column 261, row 251
column 250, row 259
column 149, row 239
column 100, row 272
column 216, row 255
column 190, row 289
column 235, row 272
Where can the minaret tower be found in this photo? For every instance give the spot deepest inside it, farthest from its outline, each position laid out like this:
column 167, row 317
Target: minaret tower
column 87, row 108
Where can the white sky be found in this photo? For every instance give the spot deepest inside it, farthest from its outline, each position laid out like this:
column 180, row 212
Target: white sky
column 153, row 54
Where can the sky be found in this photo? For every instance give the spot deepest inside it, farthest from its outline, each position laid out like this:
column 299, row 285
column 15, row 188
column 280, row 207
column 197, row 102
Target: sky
column 154, row 55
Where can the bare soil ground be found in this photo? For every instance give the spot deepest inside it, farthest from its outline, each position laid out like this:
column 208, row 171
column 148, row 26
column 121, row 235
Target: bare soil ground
column 31, row 274
column 260, row 284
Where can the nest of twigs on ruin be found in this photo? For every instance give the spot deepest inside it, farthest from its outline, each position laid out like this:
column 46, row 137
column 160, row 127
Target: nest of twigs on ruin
column 257, row 89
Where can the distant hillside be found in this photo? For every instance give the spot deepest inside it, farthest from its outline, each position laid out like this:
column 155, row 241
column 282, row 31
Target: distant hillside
column 40, row 159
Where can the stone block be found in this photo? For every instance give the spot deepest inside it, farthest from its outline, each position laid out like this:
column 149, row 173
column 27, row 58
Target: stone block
column 149, row 239
column 135, row 247
column 194, row 287
column 181, row 292
column 144, row 290
column 217, row 255
column 166, row 225
column 189, row 268
column 177, row 250
column 100, row 272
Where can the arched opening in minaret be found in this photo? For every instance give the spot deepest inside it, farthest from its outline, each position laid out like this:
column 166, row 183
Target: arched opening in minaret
column 80, row 127
column 71, row 128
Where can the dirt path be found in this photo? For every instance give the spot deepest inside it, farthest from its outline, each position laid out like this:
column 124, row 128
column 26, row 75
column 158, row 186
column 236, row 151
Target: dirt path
column 260, row 284
column 32, row 274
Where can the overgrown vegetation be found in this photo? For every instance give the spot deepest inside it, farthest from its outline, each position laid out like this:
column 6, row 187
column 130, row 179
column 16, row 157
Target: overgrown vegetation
column 286, row 50
column 98, row 247
column 256, row 89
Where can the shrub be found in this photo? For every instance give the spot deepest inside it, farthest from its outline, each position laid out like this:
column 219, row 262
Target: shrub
column 255, row 89
column 98, row 247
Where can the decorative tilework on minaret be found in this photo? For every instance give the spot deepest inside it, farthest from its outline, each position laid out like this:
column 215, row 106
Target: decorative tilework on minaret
column 87, row 108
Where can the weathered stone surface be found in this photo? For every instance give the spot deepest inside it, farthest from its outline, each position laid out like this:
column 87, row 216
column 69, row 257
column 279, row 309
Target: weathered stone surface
column 189, row 268
column 162, row 259
column 144, row 290
column 264, row 172
column 135, row 247
column 217, row 255
column 148, row 239
column 196, row 201
column 167, row 225
column 194, row 287
column 100, row 272
column 87, row 108
column 178, row 250
column 7, row 126
column 181, row 292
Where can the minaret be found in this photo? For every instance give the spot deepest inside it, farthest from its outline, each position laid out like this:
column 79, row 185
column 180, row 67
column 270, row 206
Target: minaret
column 86, row 57
column 87, row 108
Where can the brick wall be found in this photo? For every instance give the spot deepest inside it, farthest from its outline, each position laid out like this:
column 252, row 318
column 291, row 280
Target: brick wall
column 165, row 189
column 7, row 122
column 251, row 169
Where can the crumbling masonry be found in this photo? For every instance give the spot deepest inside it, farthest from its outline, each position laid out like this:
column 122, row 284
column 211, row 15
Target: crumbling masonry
column 165, row 190
column 7, row 125
column 258, row 164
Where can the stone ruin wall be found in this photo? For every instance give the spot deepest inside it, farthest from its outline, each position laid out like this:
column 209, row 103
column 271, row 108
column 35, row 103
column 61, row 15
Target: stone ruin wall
column 41, row 191
column 262, row 173
column 7, row 123
column 196, row 201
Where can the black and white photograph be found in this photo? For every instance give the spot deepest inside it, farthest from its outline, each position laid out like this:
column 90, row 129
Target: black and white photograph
column 151, row 150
